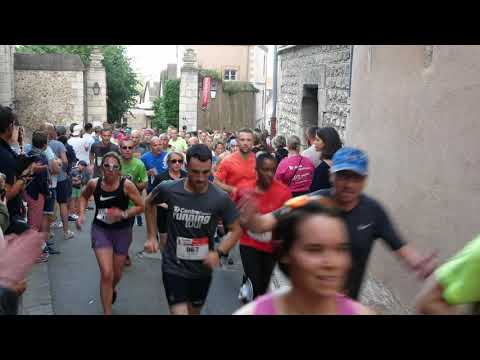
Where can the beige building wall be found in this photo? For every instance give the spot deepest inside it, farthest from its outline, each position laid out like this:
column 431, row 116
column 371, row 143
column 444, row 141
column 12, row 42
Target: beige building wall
column 415, row 110
column 219, row 57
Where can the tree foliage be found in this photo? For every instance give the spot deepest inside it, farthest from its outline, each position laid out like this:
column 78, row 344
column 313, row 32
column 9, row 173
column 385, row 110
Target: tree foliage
column 166, row 108
column 122, row 83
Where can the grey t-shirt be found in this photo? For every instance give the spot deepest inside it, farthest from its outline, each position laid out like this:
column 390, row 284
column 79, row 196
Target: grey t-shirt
column 191, row 222
column 58, row 149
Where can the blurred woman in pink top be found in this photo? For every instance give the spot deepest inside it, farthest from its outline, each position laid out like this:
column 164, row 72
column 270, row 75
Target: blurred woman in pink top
column 295, row 171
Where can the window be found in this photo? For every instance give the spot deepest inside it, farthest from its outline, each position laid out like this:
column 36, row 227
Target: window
column 230, row 74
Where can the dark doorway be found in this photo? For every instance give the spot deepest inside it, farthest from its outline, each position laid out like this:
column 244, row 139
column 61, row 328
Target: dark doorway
column 310, row 106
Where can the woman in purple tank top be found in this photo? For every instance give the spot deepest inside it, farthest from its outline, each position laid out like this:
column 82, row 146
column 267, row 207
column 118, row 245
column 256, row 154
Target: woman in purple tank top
column 313, row 252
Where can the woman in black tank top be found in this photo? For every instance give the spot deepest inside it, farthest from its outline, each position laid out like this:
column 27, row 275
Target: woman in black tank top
column 111, row 230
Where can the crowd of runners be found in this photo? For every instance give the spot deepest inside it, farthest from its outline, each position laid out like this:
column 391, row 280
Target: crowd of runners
column 200, row 193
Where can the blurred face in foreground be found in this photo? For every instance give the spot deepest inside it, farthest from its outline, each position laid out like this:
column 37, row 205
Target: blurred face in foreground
column 320, row 259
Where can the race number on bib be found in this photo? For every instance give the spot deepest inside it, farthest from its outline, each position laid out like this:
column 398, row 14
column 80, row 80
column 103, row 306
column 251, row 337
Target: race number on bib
column 261, row 237
column 102, row 216
column 192, row 249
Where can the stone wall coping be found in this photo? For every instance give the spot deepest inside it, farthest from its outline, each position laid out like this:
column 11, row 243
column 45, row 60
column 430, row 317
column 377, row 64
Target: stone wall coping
column 48, row 62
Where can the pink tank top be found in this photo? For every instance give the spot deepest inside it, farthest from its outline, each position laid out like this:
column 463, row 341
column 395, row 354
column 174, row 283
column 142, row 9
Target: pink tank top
column 264, row 305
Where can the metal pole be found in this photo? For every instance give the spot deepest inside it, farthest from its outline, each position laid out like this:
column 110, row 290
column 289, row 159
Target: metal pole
column 273, row 119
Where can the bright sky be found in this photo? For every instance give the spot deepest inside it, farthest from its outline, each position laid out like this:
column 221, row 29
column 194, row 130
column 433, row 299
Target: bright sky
column 150, row 60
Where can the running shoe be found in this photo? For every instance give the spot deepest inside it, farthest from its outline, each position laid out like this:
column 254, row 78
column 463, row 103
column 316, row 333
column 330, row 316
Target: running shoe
column 73, row 217
column 57, row 225
column 69, row 235
column 52, row 251
column 42, row 258
column 246, row 292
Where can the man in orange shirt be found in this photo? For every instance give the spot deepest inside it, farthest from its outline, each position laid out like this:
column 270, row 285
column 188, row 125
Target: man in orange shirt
column 238, row 169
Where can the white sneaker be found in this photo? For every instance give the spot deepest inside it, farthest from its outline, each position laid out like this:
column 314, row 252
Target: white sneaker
column 69, row 235
column 57, row 225
column 246, row 292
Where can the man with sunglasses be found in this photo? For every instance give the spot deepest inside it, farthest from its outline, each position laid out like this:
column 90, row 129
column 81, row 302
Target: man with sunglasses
column 366, row 219
column 134, row 170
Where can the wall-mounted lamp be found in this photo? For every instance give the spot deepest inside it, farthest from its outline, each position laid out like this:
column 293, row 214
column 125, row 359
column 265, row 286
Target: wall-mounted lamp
column 213, row 90
column 96, row 89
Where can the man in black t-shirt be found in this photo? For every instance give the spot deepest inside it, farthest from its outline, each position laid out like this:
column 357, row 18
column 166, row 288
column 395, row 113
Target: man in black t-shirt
column 365, row 218
column 194, row 208
column 98, row 151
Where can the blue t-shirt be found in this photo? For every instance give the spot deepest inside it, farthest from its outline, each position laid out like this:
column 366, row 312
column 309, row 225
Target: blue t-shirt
column 58, row 148
column 157, row 162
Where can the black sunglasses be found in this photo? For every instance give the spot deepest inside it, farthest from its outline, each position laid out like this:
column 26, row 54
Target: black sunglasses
column 127, row 147
column 175, row 161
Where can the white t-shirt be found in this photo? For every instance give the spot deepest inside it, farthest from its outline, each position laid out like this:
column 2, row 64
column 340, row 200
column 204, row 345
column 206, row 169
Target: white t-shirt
column 81, row 147
column 313, row 155
column 90, row 140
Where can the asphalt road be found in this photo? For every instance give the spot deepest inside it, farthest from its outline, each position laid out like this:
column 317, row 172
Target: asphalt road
column 74, row 280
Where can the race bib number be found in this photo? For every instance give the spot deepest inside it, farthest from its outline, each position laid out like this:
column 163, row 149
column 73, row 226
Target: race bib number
column 102, row 216
column 192, row 249
column 261, row 237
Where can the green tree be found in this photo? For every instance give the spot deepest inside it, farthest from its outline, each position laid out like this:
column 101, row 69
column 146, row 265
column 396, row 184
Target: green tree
column 166, row 108
column 159, row 120
column 122, row 83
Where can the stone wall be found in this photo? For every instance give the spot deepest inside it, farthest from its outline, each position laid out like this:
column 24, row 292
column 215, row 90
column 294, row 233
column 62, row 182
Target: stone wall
column 326, row 66
column 54, row 96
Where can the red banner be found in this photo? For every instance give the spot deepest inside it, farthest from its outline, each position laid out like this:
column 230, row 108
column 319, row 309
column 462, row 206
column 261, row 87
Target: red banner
column 207, row 83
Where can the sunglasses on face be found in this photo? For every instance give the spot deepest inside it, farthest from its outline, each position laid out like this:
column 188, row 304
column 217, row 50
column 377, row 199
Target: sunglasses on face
column 127, row 147
column 111, row 167
column 176, row 161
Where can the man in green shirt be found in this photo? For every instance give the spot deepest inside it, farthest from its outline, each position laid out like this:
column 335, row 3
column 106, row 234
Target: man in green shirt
column 177, row 143
column 135, row 171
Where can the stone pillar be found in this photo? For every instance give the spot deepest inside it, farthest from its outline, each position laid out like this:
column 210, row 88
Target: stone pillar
column 96, row 104
column 7, row 75
column 189, row 91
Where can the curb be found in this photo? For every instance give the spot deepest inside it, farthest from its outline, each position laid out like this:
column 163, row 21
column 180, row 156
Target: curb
column 37, row 299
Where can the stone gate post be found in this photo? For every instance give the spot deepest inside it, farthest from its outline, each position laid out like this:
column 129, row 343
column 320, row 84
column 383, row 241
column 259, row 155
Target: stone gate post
column 189, row 91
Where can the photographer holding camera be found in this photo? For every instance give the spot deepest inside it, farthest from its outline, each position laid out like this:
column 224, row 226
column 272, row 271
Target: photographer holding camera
column 18, row 172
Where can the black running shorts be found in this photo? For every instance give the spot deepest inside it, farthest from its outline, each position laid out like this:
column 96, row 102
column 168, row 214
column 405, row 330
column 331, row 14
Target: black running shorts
column 180, row 290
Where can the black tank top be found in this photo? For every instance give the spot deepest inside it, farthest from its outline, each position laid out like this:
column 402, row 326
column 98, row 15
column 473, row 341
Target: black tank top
column 110, row 199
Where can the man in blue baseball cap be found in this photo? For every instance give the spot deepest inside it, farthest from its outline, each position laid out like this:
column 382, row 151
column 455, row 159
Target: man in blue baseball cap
column 365, row 218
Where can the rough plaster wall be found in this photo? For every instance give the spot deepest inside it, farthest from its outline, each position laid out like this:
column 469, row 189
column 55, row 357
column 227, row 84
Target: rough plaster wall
column 54, row 96
column 415, row 111
column 327, row 66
